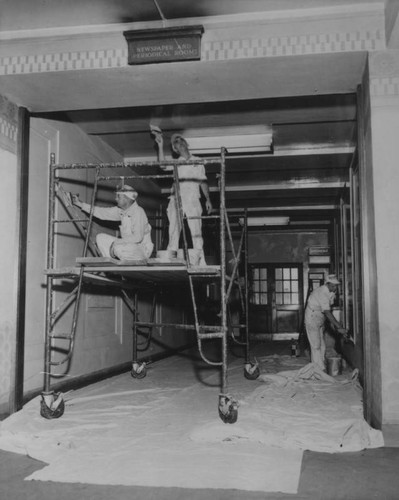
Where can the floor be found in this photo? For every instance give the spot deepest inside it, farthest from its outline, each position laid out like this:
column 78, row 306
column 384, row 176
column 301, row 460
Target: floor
column 363, row 475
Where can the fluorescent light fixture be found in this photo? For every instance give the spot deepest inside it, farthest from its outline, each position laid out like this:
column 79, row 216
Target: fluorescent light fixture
column 237, row 140
column 266, row 221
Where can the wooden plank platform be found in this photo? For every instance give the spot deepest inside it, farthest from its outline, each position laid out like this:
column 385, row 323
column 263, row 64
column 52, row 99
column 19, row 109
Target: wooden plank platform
column 107, row 261
column 153, row 271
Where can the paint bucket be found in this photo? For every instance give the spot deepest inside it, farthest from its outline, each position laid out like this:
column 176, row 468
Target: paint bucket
column 334, row 366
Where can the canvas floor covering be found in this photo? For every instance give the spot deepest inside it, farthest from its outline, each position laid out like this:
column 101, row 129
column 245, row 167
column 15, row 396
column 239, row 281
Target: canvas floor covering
column 164, row 430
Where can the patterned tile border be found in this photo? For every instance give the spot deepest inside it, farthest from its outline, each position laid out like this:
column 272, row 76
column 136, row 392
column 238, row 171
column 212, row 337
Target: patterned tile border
column 384, row 87
column 294, row 45
column 66, row 61
column 8, row 125
column 8, row 135
column 211, row 51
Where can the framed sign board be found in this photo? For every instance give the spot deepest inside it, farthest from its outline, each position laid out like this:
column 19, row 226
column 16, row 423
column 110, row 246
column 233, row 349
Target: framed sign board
column 164, row 44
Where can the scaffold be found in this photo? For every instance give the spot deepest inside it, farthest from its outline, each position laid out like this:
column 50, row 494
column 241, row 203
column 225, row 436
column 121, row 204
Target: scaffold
column 132, row 277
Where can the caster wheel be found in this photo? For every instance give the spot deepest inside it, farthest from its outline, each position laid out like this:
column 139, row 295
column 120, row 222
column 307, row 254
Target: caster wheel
column 251, row 371
column 228, row 410
column 52, row 405
column 230, row 417
column 138, row 370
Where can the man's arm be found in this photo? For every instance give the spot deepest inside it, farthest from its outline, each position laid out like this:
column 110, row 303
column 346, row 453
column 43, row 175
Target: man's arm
column 159, row 141
column 104, row 213
column 205, row 190
column 334, row 323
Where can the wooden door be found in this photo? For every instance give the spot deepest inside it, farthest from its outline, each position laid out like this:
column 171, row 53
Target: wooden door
column 276, row 298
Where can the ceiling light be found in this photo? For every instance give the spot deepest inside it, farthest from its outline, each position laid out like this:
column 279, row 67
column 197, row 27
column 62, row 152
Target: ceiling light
column 237, row 140
column 266, row 221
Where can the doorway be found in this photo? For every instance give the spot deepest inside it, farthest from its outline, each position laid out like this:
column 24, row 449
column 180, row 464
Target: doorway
column 275, row 299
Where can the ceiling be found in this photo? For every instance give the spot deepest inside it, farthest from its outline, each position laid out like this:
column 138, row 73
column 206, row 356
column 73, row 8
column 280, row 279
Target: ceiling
column 39, row 14
column 308, row 101
column 314, row 139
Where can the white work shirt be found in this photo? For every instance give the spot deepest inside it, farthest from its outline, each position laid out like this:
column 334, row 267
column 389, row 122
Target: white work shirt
column 320, row 299
column 190, row 177
column 134, row 222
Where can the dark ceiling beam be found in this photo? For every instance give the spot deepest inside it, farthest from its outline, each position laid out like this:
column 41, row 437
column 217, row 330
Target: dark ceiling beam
column 283, row 186
column 307, row 109
column 315, row 149
column 290, row 208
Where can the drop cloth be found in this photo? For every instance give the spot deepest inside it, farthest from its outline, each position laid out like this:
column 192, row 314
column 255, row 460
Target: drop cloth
column 164, row 430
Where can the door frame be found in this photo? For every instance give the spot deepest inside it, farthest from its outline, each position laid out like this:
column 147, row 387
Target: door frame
column 17, row 375
column 271, row 307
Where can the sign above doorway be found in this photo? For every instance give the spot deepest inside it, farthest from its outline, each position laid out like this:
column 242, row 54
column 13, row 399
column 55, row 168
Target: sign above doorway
column 164, row 44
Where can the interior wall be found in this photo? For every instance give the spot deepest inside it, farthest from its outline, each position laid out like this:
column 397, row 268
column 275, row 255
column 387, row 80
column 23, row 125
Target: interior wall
column 270, row 246
column 8, row 250
column 384, row 85
column 385, row 125
column 8, row 246
column 103, row 338
column 370, row 345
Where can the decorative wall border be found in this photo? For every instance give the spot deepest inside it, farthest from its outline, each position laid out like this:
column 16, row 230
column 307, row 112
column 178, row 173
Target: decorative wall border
column 8, row 125
column 384, row 87
column 211, row 51
column 320, row 43
column 63, row 61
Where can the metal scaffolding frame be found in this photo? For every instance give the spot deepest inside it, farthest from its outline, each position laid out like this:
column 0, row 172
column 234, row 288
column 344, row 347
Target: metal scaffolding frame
column 131, row 278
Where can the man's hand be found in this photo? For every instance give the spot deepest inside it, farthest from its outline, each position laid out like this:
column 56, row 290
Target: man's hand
column 157, row 133
column 208, row 206
column 158, row 138
column 75, row 200
column 343, row 331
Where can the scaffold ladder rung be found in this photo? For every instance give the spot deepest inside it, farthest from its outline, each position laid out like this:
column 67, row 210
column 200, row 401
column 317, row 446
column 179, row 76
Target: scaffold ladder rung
column 213, row 335
column 65, row 336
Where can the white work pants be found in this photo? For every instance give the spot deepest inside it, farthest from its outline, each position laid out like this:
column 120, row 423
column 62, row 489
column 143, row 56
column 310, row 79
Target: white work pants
column 191, row 208
column 110, row 246
column 315, row 326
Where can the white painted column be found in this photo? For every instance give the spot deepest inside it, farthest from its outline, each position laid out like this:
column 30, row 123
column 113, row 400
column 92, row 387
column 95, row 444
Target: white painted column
column 384, row 95
column 8, row 247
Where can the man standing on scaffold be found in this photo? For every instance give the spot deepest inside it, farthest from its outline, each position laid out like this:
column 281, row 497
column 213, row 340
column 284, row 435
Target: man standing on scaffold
column 192, row 180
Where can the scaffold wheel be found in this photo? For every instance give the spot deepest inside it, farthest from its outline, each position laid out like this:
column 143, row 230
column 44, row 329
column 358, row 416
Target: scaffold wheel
column 139, row 370
column 251, row 371
column 52, row 405
column 228, row 409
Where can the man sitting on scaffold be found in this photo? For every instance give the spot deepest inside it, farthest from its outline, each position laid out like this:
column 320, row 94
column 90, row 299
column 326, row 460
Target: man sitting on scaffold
column 135, row 231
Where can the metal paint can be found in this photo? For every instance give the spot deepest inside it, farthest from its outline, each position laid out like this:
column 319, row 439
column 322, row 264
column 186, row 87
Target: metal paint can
column 334, row 366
